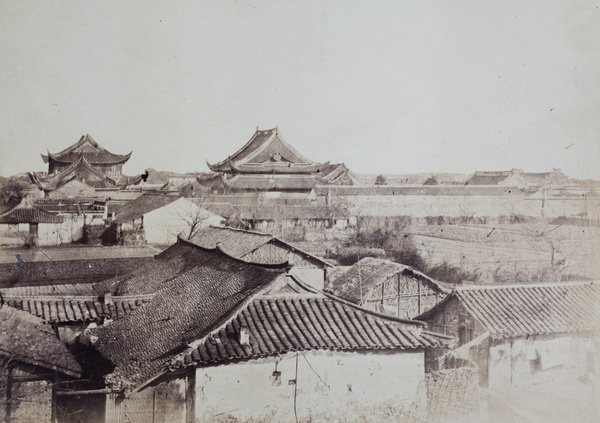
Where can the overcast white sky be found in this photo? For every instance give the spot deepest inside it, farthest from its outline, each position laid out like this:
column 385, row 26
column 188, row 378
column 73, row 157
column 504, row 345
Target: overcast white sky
column 384, row 86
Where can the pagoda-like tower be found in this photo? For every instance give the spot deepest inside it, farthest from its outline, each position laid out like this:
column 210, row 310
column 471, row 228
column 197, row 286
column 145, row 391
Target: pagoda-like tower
column 81, row 169
column 107, row 163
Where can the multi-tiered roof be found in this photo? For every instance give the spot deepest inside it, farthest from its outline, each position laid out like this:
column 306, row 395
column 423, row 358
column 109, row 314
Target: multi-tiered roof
column 86, row 165
column 91, row 151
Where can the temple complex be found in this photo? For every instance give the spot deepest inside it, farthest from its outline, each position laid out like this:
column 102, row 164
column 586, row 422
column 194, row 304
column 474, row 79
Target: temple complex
column 268, row 163
column 82, row 169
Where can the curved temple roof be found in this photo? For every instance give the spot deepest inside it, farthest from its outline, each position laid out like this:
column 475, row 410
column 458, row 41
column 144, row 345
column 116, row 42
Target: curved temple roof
column 267, row 152
column 93, row 152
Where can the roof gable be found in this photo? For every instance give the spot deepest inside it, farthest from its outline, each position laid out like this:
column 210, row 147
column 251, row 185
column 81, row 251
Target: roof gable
column 265, row 148
column 370, row 273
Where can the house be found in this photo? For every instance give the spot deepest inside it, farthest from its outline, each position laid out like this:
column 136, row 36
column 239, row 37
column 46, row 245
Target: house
column 531, row 333
column 389, row 286
column 34, row 364
column 24, row 224
column 84, row 169
column 157, row 219
column 537, row 347
column 218, row 324
column 258, row 247
column 267, row 162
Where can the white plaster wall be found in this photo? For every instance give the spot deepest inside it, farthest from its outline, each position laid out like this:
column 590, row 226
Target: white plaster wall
column 338, row 384
column 440, row 205
column 10, row 235
column 538, row 359
column 48, row 234
column 162, row 226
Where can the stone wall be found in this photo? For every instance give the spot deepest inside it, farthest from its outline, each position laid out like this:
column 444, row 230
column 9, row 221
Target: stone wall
column 453, row 396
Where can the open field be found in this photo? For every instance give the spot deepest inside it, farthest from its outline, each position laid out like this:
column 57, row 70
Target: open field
column 519, row 252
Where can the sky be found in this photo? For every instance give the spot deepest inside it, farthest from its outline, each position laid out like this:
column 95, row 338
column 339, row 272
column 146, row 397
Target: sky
column 383, row 86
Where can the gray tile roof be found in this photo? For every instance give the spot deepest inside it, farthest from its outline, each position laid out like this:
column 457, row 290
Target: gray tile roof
column 537, row 309
column 239, row 243
column 184, row 308
column 278, row 325
column 28, row 339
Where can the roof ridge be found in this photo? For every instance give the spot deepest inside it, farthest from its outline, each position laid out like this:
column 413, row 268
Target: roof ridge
column 219, row 250
column 523, row 285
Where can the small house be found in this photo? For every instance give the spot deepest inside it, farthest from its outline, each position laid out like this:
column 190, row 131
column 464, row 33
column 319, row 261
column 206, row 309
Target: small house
column 536, row 347
column 389, row 286
column 157, row 219
column 25, row 224
column 219, row 324
column 33, row 365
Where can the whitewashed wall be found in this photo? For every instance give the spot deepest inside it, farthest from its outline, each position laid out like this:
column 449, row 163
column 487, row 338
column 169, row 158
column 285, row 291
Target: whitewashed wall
column 330, row 385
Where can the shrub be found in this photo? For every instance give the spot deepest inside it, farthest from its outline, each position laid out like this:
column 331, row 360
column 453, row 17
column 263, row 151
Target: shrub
column 452, row 274
column 347, row 256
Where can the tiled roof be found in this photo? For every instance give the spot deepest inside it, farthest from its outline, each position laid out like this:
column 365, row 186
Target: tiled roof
column 63, row 309
column 169, row 264
column 370, row 273
column 278, row 325
column 26, row 338
column 521, row 310
column 26, row 213
column 142, row 205
column 94, row 153
column 263, row 145
column 20, row 270
column 239, row 242
column 78, row 164
column 183, row 309
column 236, row 242
column 488, row 178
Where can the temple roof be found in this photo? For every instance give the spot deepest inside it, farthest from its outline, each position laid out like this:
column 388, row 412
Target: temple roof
column 93, row 152
column 267, row 152
column 80, row 166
